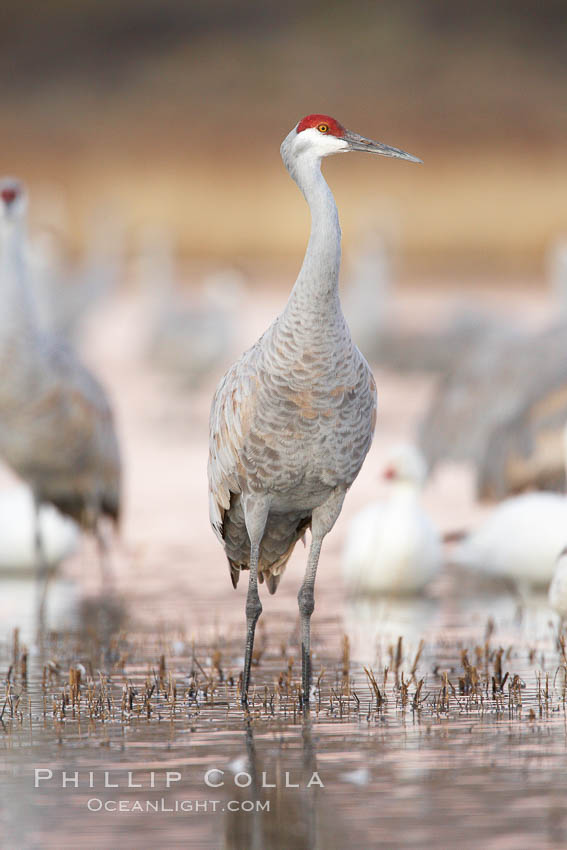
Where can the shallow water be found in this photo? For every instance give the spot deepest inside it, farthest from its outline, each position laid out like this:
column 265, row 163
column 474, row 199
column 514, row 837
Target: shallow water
column 434, row 757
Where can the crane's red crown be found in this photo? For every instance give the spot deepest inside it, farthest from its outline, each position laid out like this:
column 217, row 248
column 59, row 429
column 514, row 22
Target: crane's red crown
column 9, row 195
column 324, row 123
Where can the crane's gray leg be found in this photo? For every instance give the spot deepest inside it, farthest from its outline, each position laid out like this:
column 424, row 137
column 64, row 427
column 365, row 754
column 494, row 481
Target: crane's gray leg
column 253, row 611
column 322, row 521
column 93, row 518
column 42, row 568
column 306, row 600
column 106, row 571
column 256, row 515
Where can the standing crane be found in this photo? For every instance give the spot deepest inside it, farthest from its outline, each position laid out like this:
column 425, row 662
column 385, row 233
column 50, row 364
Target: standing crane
column 292, row 420
column 56, row 424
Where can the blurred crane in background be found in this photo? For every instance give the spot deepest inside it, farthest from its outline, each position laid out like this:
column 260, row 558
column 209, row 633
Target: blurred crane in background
column 556, row 267
column 188, row 336
column 367, row 301
column 374, row 318
column 66, row 292
column 56, row 424
column 291, row 422
column 502, row 408
column 435, row 349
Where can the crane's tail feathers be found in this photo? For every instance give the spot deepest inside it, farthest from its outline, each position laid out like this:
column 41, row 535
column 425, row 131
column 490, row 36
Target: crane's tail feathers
column 270, row 568
column 272, row 581
column 234, row 574
column 270, row 573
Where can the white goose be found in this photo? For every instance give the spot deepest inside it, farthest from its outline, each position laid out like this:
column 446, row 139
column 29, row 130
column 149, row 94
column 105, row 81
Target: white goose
column 520, row 540
column 392, row 547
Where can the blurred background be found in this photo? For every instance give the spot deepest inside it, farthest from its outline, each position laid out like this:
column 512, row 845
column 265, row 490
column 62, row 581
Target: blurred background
column 165, row 232
column 165, row 236
column 173, row 113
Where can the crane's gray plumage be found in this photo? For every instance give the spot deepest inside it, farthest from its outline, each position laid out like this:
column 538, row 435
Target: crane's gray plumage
column 57, row 433
column 56, row 425
column 294, row 419
column 291, row 422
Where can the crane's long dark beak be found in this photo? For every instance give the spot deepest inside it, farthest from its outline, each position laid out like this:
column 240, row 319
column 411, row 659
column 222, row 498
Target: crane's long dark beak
column 359, row 143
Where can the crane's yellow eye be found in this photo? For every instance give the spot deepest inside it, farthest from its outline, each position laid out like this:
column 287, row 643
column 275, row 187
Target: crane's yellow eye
column 323, row 128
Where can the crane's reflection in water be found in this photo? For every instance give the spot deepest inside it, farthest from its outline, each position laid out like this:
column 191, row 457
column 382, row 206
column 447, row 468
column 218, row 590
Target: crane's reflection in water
column 299, row 815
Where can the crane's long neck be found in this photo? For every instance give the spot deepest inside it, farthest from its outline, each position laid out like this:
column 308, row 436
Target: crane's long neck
column 17, row 314
column 316, row 287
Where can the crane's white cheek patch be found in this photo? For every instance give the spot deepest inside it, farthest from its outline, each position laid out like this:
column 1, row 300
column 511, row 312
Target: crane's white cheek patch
column 330, row 144
column 318, row 143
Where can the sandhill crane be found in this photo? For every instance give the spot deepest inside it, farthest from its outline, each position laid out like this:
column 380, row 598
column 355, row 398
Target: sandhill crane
column 66, row 293
column 367, row 302
column 556, row 268
column 189, row 336
column 524, row 450
column 291, row 422
column 493, row 407
column 393, row 547
column 437, row 348
column 375, row 324
column 56, row 425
